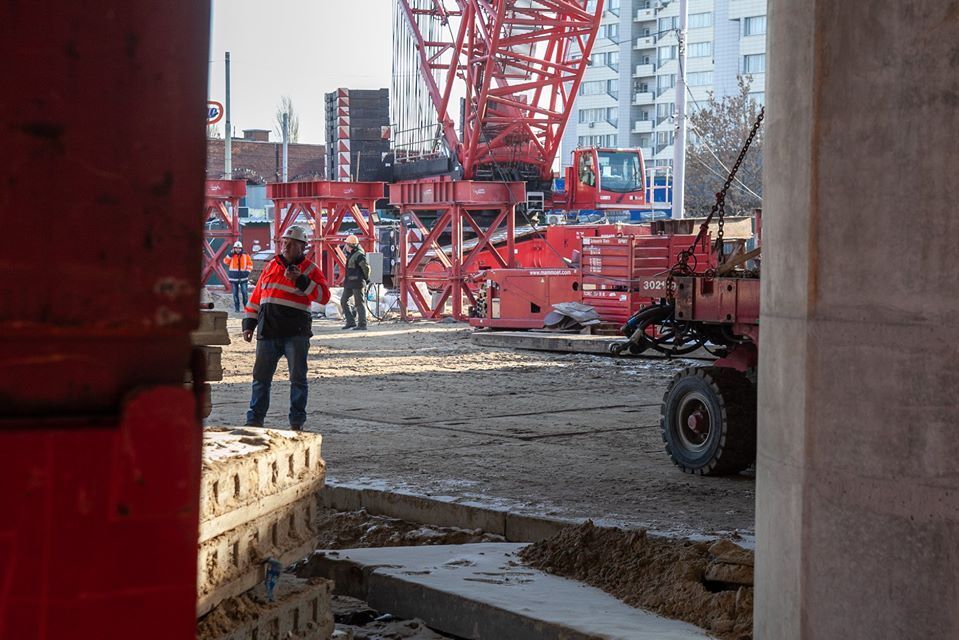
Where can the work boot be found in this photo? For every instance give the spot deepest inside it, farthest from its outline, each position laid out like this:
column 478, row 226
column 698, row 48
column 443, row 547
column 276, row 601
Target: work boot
column 296, row 427
column 361, row 327
column 348, row 326
column 253, row 424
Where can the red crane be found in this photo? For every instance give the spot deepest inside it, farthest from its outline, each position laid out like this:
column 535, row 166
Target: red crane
column 514, row 66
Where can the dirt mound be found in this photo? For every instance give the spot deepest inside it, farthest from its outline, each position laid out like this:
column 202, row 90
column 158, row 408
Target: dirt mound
column 708, row 584
column 356, row 529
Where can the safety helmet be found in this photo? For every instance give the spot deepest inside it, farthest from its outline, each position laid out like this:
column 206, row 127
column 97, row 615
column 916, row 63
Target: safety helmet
column 296, row 232
column 352, row 240
column 237, row 245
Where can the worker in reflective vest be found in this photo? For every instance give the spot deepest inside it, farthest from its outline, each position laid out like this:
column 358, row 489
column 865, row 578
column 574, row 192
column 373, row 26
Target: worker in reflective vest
column 238, row 265
column 279, row 313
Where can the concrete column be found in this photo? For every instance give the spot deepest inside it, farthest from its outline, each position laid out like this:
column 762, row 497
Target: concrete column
column 858, row 462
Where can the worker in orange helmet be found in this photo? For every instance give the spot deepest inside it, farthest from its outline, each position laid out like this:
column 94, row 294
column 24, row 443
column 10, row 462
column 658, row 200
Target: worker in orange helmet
column 354, row 285
column 279, row 311
column 239, row 265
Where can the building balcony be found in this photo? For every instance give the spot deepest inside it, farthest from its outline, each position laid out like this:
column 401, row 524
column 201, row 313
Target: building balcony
column 643, row 126
column 645, row 42
column 644, row 70
column 647, row 152
column 643, row 15
column 643, row 97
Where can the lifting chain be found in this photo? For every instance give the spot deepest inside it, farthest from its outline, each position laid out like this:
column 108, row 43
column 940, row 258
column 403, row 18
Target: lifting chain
column 682, row 266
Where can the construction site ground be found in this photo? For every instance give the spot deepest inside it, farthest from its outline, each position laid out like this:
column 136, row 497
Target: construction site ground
column 418, row 408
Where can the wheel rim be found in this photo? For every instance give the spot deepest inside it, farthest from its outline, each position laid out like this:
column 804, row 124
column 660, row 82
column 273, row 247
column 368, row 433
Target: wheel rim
column 694, row 422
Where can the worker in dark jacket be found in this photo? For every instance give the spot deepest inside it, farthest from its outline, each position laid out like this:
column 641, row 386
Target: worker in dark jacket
column 354, row 285
column 279, row 310
column 239, row 265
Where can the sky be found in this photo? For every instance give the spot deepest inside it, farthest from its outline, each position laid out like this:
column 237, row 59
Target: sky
column 299, row 48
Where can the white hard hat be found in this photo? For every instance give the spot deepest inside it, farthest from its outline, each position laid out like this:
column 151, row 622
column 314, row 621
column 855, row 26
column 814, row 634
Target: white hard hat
column 295, row 232
column 237, row 245
column 351, row 239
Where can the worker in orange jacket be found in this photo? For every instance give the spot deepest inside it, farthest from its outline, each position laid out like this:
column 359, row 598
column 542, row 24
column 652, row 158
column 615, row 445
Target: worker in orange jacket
column 279, row 313
column 238, row 265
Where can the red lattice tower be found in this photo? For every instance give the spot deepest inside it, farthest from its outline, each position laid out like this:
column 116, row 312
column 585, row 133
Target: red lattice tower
column 221, row 205
column 325, row 205
column 516, row 65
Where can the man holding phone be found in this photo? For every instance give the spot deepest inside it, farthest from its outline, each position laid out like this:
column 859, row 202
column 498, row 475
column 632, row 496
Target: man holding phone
column 279, row 313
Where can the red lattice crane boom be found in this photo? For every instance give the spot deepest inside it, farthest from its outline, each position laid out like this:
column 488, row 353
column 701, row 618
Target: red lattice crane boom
column 516, row 66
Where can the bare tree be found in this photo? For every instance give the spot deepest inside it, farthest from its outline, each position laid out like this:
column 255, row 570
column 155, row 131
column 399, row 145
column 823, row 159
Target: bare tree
column 286, row 106
column 213, row 131
column 718, row 131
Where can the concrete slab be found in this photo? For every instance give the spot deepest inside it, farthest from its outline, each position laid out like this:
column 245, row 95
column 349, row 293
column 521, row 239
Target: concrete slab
column 564, row 342
column 482, row 592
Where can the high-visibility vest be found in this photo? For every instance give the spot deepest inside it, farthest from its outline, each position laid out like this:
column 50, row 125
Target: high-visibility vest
column 273, row 287
column 239, row 266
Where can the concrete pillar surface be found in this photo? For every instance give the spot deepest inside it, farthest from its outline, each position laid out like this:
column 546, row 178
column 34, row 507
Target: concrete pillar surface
column 858, row 455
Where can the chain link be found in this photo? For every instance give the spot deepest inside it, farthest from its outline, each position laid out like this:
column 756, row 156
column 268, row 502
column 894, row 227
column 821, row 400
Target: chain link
column 682, row 266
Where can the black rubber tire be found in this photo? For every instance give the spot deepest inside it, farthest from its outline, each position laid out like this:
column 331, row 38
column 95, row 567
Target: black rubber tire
column 728, row 401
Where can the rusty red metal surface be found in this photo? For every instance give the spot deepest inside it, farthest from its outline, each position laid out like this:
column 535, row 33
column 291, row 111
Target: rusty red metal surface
column 100, row 438
column 323, row 206
column 222, row 228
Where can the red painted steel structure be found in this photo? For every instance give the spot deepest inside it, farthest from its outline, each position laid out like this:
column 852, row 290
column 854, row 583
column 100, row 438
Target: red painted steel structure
column 514, row 60
column 326, row 204
column 100, row 439
column 222, row 204
column 423, row 259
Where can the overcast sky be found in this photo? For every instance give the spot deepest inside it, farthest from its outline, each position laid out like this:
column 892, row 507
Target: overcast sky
column 299, row 48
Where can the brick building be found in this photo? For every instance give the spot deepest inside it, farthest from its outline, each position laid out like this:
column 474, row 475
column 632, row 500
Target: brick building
column 258, row 160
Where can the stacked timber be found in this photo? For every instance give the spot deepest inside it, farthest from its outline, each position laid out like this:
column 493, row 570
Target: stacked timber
column 209, row 338
column 257, row 510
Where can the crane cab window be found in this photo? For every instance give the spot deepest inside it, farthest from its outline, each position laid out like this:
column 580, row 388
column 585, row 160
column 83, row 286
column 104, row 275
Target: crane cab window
column 587, row 172
column 621, row 171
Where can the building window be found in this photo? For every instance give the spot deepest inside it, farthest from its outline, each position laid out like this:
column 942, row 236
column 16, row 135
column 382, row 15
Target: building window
column 667, row 53
column 668, row 24
column 664, row 111
column 610, row 31
column 755, row 63
column 754, row 26
column 592, row 115
column 699, row 78
column 664, row 137
column 700, row 50
column 612, row 116
column 594, row 88
column 613, row 7
column 700, row 20
column 609, row 140
column 665, row 81
column 759, row 97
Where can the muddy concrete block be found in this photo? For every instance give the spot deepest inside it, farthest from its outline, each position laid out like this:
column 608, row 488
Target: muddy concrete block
column 301, row 609
column 233, row 561
column 212, row 329
column 258, row 501
column 260, row 468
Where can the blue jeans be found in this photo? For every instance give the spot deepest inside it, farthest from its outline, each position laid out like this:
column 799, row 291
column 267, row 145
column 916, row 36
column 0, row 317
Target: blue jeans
column 239, row 288
column 268, row 354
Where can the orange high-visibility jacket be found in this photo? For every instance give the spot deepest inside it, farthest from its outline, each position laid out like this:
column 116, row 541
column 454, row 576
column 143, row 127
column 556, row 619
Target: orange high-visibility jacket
column 239, row 266
column 274, row 288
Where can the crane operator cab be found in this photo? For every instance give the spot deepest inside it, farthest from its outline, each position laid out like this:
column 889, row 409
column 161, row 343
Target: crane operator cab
column 606, row 179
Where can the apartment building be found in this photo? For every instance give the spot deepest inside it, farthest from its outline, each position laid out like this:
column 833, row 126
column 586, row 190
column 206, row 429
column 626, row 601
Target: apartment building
column 628, row 95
